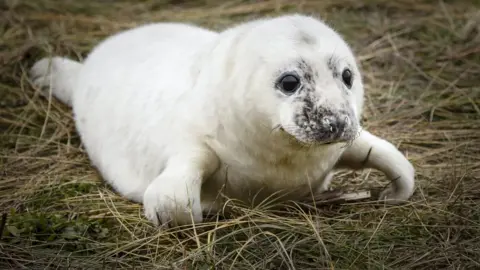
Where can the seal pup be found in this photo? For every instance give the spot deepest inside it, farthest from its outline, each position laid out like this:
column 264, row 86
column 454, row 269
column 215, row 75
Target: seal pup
column 173, row 114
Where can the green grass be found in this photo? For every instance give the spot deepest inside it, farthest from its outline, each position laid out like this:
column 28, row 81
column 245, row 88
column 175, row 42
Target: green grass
column 421, row 66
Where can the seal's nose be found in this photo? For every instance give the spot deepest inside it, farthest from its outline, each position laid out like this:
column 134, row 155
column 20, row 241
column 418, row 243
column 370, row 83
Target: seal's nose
column 335, row 125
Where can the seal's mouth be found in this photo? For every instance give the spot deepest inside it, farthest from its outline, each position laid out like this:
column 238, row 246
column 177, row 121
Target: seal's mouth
column 320, row 136
column 312, row 141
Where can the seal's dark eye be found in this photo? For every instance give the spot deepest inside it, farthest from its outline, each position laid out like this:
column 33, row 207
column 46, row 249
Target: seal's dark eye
column 289, row 83
column 347, row 77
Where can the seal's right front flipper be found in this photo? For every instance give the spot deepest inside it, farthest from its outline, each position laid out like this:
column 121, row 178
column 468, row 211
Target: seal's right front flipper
column 173, row 197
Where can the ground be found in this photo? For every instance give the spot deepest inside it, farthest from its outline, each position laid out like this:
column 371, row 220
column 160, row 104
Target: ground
column 421, row 66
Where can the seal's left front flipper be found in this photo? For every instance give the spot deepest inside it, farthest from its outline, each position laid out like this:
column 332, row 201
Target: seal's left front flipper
column 370, row 151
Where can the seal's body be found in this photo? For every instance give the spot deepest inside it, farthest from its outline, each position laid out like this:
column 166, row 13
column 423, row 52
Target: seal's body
column 172, row 115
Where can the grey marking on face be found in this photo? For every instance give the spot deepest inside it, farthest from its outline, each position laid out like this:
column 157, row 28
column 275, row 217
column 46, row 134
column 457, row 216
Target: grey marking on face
column 332, row 64
column 308, row 75
column 316, row 121
column 307, row 38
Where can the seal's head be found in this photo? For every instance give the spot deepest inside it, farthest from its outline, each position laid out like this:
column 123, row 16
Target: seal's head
column 305, row 76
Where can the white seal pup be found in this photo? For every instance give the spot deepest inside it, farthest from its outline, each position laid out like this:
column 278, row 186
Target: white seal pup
column 173, row 114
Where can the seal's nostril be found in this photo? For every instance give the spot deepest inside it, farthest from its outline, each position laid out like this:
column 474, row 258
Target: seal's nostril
column 341, row 124
column 333, row 127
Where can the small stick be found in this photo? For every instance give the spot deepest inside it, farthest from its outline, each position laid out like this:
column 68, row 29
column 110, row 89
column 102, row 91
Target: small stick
column 345, row 197
column 356, row 196
column 2, row 224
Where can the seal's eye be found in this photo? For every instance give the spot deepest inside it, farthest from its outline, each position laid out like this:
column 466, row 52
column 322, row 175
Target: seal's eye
column 347, row 77
column 289, row 83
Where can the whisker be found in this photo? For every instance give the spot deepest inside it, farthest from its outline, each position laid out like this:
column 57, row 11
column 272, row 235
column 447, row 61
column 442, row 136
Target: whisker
column 275, row 128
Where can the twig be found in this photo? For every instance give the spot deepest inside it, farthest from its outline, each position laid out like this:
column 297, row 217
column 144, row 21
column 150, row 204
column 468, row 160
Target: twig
column 2, row 224
column 342, row 198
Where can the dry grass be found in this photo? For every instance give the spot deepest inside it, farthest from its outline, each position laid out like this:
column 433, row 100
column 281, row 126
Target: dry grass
column 421, row 63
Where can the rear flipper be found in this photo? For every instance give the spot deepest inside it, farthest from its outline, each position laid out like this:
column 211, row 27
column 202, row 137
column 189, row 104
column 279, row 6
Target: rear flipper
column 57, row 75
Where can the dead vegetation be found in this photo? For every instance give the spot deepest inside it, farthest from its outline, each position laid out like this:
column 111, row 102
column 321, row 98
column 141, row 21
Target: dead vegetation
column 421, row 63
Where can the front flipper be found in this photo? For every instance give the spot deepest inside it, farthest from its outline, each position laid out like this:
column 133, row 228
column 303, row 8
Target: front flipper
column 370, row 151
column 173, row 197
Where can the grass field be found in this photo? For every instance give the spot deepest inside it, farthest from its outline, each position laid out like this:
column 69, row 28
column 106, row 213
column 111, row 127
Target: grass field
column 421, row 66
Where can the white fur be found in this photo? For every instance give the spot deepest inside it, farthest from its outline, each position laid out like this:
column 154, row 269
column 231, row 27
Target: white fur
column 172, row 114
column 58, row 72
